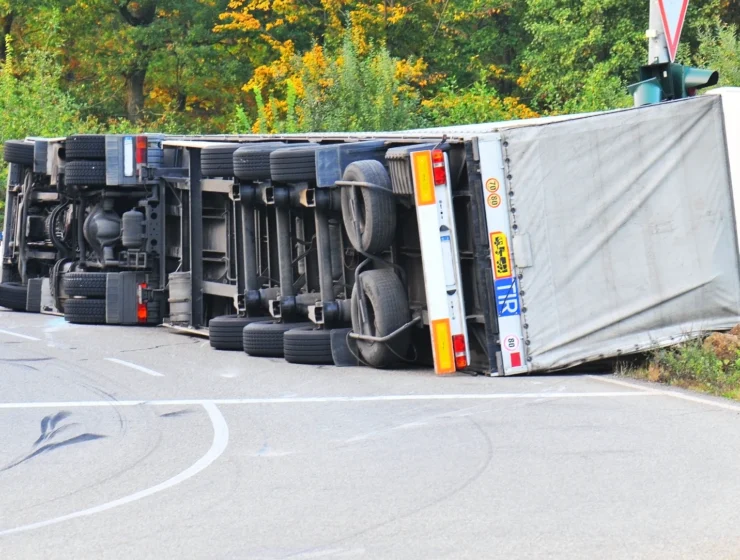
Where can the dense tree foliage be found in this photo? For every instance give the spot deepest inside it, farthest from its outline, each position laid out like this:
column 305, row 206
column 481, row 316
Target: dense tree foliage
column 268, row 65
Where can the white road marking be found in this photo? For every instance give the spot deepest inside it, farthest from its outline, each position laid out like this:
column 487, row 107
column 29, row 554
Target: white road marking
column 136, row 367
column 11, row 333
column 315, row 400
column 220, row 441
column 675, row 394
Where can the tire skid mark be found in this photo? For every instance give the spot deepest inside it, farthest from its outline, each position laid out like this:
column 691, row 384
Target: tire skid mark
column 218, row 446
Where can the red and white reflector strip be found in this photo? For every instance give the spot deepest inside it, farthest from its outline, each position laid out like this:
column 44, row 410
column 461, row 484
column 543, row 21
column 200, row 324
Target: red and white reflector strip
column 441, row 260
column 142, row 313
column 506, row 295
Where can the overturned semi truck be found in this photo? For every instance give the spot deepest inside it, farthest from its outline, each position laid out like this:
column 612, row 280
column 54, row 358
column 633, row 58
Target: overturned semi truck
column 499, row 248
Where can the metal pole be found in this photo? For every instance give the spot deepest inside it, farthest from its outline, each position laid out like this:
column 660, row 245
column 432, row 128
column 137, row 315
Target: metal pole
column 657, row 44
column 323, row 241
column 249, row 242
column 285, row 257
column 196, row 239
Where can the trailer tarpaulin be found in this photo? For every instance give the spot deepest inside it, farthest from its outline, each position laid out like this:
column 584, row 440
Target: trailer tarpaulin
column 624, row 231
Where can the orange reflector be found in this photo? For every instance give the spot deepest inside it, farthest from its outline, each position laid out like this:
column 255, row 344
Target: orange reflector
column 458, row 345
column 444, row 360
column 424, row 185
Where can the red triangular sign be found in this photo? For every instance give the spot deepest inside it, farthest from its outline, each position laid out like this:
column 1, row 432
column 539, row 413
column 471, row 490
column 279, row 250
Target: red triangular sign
column 673, row 13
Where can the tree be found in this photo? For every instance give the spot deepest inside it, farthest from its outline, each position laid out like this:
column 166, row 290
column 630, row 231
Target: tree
column 719, row 50
column 149, row 57
column 33, row 101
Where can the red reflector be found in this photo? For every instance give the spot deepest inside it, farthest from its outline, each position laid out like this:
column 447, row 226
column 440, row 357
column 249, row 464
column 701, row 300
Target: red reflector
column 458, row 347
column 141, row 145
column 438, row 167
column 142, row 314
column 516, row 359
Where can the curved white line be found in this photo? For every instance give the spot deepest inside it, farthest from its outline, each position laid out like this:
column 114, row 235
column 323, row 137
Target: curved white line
column 220, row 441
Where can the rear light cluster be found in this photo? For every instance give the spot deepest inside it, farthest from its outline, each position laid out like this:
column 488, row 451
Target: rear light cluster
column 458, row 347
column 141, row 146
column 142, row 313
column 438, row 167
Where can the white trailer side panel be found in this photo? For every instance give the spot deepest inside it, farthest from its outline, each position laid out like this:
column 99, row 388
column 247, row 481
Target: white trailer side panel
column 624, row 231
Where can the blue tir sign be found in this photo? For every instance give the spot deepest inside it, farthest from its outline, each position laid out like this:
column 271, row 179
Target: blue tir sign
column 507, row 297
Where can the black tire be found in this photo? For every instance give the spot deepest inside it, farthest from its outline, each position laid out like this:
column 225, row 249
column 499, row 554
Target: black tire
column 266, row 338
column 252, row 162
column 388, row 306
column 84, row 147
column 225, row 333
column 218, row 160
column 33, row 296
column 294, row 164
column 308, row 345
column 86, row 284
column 85, row 173
column 13, row 296
column 85, row 311
column 19, row 151
column 377, row 208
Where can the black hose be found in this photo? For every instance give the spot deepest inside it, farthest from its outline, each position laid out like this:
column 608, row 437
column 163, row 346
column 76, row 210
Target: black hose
column 60, row 246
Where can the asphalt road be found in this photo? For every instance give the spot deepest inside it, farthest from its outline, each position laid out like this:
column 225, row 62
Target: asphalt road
column 141, row 443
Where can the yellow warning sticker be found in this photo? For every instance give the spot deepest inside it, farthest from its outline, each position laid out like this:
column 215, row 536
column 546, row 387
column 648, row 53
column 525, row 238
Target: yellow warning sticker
column 494, row 200
column 501, row 255
column 492, row 185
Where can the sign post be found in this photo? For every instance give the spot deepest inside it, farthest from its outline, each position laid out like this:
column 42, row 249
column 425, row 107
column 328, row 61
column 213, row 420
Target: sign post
column 662, row 79
column 657, row 45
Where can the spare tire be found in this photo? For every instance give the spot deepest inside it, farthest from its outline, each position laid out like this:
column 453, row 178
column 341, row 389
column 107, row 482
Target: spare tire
column 85, row 173
column 252, row 162
column 266, row 338
column 376, row 212
column 85, row 311
column 308, row 345
column 388, row 307
column 86, row 284
column 218, row 160
column 84, row 146
column 225, row 333
column 295, row 164
column 19, row 151
column 13, row 296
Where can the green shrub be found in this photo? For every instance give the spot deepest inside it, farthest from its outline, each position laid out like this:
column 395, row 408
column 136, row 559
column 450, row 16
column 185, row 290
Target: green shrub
column 357, row 93
column 696, row 364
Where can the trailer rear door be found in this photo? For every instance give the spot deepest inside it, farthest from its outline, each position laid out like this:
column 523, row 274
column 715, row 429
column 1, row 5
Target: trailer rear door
column 623, row 231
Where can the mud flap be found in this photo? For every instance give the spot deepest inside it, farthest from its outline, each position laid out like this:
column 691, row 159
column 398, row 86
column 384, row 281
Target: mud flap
column 343, row 348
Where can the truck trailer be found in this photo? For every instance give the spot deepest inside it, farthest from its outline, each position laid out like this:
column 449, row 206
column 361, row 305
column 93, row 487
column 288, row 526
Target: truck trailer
column 500, row 248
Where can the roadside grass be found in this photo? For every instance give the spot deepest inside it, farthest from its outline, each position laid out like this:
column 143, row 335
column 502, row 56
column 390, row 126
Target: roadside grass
column 709, row 365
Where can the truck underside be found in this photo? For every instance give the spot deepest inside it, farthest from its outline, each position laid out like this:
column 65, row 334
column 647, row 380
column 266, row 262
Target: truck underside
column 463, row 249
